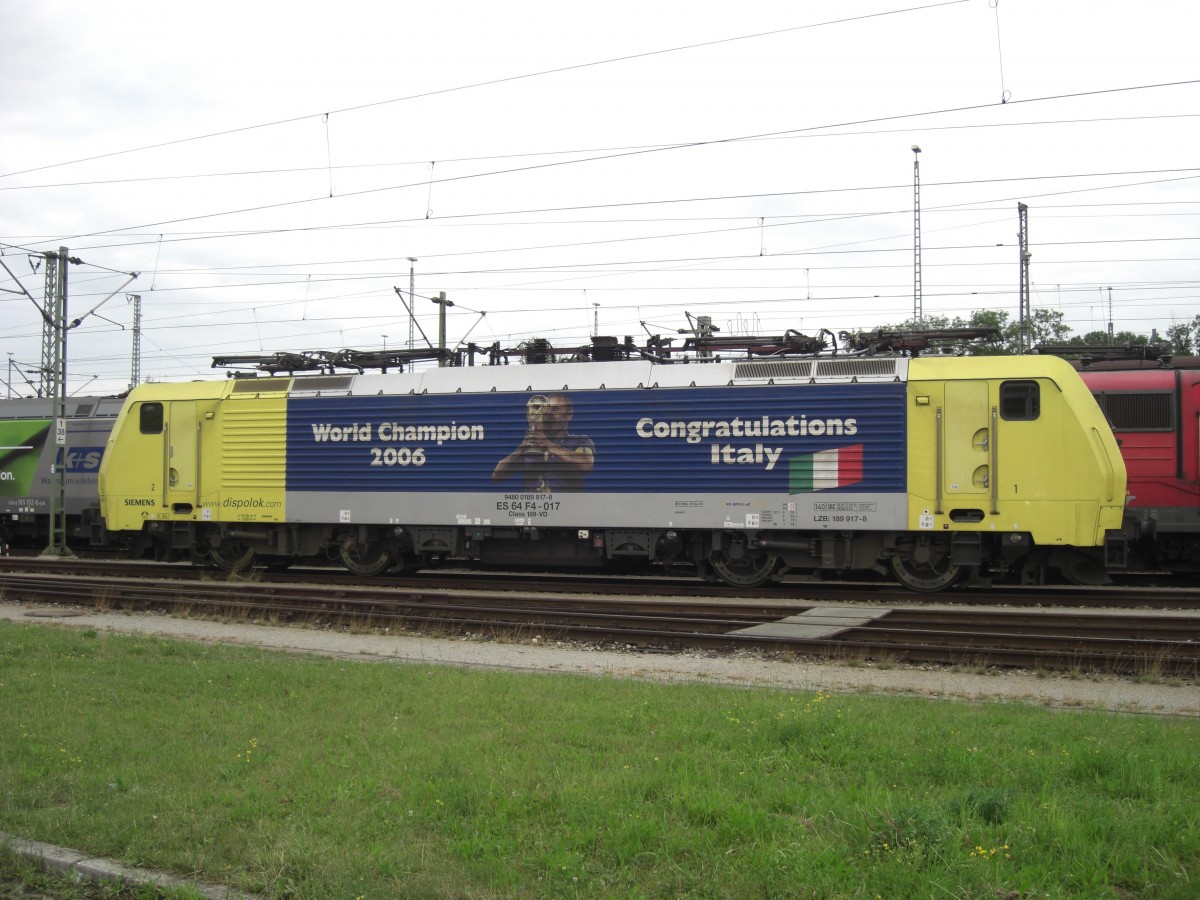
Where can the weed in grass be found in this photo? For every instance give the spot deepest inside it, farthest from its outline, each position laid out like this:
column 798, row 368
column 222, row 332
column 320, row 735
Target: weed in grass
column 251, row 575
column 1161, row 668
column 980, row 852
column 914, row 832
column 1151, row 666
column 988, row 804
column 236, row 614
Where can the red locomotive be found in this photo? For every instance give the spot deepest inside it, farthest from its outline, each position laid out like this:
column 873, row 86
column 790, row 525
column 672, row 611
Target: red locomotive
column 1153, row 406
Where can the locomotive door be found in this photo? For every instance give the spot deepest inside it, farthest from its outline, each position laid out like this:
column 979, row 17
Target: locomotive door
column 182, row 482
column 968, row 441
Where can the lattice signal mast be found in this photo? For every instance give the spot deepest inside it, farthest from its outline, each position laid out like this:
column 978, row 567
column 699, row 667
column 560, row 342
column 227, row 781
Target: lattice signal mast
column 135, row 377
column 49, row 333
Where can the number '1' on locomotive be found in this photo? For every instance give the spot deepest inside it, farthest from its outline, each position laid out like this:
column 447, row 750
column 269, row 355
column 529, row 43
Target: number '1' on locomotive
column 932, row 470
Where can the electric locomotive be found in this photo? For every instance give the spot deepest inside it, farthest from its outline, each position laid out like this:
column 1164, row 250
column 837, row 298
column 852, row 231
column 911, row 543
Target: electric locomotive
column 28, row 453
column 739, row 465
column 1154, row 409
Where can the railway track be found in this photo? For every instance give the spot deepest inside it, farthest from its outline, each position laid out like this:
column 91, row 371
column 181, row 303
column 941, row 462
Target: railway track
column 790, row 590
column 1125, row 641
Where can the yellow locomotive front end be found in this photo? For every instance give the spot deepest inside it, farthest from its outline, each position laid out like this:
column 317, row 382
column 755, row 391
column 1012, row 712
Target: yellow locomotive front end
column 186, row 462
column 1011, row 459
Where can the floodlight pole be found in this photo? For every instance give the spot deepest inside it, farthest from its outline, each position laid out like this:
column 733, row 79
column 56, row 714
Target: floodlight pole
column 918, row 310
column 412, row 299
column 1111, row 337
column 1024, row 316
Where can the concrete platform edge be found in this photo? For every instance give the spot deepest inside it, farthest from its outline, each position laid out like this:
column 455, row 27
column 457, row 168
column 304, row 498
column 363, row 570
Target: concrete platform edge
column 83, row 867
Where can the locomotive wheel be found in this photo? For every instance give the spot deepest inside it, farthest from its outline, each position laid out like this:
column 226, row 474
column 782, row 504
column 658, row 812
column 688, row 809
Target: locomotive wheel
column 232, row 556
column 934, row 574
column 366, row 560
column 751, row 570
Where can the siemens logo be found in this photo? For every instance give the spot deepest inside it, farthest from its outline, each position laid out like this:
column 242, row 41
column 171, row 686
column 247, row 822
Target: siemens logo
column 130, row 501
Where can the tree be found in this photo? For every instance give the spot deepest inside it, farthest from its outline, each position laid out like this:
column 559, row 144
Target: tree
column 1046, row 326
column 992, row 318
column 1183, row 338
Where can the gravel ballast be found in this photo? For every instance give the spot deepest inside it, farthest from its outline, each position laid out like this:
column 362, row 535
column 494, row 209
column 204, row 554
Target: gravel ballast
column 1062, row 691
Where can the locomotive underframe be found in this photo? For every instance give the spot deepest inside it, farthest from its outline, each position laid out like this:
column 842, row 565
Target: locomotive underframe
column 1164, row 537
column 921, row 561
column 31, row 531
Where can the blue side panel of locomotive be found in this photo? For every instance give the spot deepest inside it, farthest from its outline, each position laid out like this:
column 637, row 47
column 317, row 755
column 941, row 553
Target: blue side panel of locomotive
column 703, row 439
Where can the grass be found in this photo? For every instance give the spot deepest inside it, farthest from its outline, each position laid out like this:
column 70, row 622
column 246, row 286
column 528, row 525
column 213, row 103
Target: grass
column 302, row 776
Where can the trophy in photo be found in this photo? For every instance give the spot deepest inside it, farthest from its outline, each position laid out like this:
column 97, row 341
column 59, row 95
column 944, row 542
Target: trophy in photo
column 535, row 413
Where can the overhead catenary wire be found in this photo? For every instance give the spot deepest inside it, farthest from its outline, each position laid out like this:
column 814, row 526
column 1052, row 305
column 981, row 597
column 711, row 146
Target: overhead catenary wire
column 612, row 156
column 492, row 82
column 636, row 265
column 1004, row 95
column 346, row 167
column 736, row 197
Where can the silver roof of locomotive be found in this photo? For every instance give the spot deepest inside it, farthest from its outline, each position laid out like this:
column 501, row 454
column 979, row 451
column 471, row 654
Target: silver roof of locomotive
column 592, row 376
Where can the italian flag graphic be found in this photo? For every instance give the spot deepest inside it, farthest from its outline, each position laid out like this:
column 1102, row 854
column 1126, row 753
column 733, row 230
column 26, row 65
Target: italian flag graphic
column 825, row 470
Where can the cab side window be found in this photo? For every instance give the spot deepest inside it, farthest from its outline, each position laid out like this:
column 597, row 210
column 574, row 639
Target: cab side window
column 1020, row 401
column 150, row 417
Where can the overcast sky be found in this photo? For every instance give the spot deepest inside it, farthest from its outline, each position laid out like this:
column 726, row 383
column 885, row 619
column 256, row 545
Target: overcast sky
column 560, row 168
